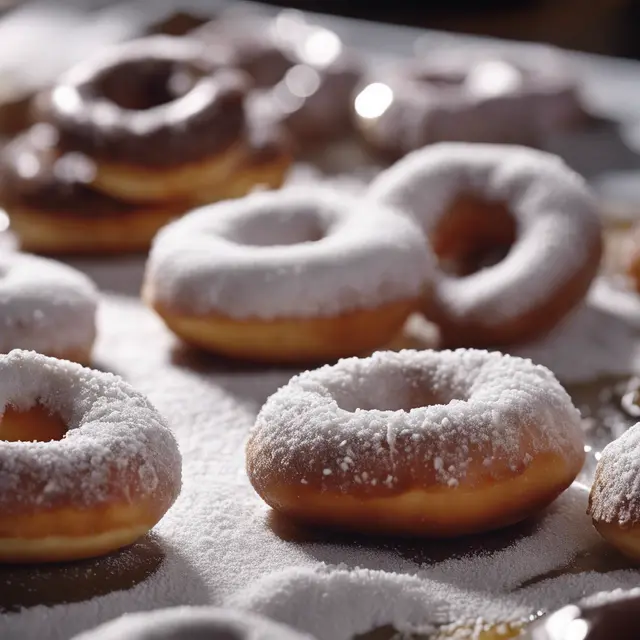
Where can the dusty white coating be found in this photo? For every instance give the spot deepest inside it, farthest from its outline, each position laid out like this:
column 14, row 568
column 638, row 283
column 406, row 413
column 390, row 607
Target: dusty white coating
column 608, row 597
column 219, row 539
column 558, row 226
column 474, row 95
column 364, row 421
column 45, row 305
column 615, row 495
column 321, row 601
column 111, row 429
column 190, row 623
column 292, row 253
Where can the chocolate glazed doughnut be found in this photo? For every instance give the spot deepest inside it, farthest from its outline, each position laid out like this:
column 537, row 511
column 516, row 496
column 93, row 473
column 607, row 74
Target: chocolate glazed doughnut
column 161, row 117
column 53, row 209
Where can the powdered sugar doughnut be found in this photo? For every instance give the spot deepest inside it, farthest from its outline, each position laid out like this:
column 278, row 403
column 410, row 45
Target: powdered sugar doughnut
column 523, row 213
column 287, row 276
column 188, row 623
column 614, row 502
column 468, row 96
column 417, row 442
column 87, row 465
column 46, row 306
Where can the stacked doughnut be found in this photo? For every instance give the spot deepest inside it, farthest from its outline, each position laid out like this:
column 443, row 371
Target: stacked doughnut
column 494, row 244
column 129, row 140
column 304, row 76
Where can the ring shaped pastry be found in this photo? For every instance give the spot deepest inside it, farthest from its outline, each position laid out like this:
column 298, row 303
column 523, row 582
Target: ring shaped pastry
column 161, row 117
column 87, row 465
column 190, row 623
column 288, row 276
column 53, row 209
column 516, row 232
column 427, row 443
column 468, row 96
column 304, row 76
column 614, row 502
column 46, row 306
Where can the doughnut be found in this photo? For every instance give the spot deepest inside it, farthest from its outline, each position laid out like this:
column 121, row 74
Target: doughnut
column 614, row 502
column 516, row 233
column 53, row 209
column 254, row 43
column 189, row 623
column 291, row 276
column 303, row 74
column 425, row 443
column 162, row 118
column 87, row 465
column 263, row 164
column 468, row 96
column 46, row 306
column 605, row 616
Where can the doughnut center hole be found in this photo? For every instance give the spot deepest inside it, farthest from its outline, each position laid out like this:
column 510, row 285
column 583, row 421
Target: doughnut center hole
column 474, row 234
column 145, row 84
column 401, row 390
column 36, row 424
column 278, row 229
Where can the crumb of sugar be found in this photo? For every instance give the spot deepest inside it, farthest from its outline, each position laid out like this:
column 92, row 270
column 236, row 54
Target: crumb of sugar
column 558, row 223
column 350, row 421
column 298, row 252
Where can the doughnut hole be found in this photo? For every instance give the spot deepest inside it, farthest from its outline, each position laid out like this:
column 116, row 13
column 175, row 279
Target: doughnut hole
column 278, row 231
column 36, row 424
column 402, row 390
column 472, row 235
column 145, row 84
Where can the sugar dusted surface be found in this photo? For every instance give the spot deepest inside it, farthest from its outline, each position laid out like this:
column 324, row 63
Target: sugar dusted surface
column 556, row 215
column 301, row 252
column 192, row 622
column 112, row 429
column 615, row 495
column 221, row 545
column 44, row 305
column 363, row 421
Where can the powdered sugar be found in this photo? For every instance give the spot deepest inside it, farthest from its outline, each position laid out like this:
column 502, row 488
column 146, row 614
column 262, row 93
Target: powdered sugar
column 219, row 539
column 45, row 305
column 558, row 224
column 111, row 428
column 615, row 496
column 443, row 409
column 294, row 253
column 189, row 622
column 339, row 603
